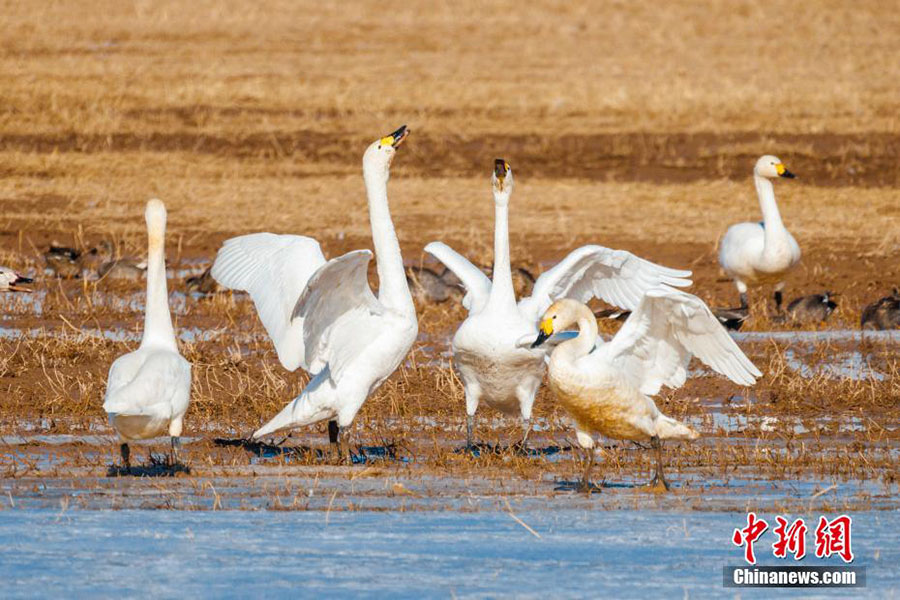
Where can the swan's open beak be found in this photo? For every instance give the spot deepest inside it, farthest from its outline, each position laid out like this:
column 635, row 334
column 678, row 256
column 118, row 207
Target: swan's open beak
column 783, row 172
column 545, row 333
column 396, row 138
column 15, row 287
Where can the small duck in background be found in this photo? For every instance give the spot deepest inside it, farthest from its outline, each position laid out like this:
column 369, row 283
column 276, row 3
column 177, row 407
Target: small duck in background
column 883, row 313
column 815, row 308
column 428, row 285
column 63, row 261
column 204, row 283
column 122, row 269
column 10, row 281
column 730, row 318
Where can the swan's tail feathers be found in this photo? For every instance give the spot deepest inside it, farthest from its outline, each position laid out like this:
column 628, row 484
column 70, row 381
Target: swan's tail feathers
column 283, row 420
column 668, row 428
column 309, row 407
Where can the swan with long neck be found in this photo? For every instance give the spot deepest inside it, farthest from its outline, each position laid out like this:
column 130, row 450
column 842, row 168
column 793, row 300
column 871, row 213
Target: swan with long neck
column 491, row 348
column 606, row 387
column 322, row 315
column 761, row 253
column 148, row 390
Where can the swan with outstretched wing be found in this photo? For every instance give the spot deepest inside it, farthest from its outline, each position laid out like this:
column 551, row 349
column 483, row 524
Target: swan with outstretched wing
column 492, row 347
column 322, row 315
column 606, row 386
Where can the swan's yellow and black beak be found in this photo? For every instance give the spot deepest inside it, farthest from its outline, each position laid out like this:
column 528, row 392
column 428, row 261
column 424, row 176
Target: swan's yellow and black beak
column 501, row 170
column 545, row 332
column 396, row 138
column 783, row 172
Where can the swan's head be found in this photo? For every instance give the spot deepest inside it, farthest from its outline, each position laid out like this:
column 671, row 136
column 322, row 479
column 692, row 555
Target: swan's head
column 155, row 215
column 561, row 315
column 771, row 167
column 502, row 181
column 11, row 281
column 380, row 153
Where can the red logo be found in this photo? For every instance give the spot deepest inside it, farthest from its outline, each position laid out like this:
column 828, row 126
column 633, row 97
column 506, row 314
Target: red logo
column 790, row 539
column 833, row 537
column 748, row 535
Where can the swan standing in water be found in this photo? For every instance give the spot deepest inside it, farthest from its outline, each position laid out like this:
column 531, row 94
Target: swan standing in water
column 606, row 387
column 10, row 281
column 323, row 316
column 764, row 252
column 148, row 390
column 491, row 349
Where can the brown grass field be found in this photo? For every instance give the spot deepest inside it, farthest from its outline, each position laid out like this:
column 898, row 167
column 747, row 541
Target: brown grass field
column 629, row 124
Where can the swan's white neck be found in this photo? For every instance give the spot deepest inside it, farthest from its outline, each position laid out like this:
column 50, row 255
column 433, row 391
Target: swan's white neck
column 158, row 331
column 771, row 217
column 503, row 295
column 393, row 290
column 584, row 342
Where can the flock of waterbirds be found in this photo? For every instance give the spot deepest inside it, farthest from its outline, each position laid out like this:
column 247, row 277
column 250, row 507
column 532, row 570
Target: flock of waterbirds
column 322, row 315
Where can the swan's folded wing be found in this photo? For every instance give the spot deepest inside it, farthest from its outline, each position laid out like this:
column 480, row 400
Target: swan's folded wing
column 152, row 389
column 274, row 270
column 478, row 286
column 655, row 345
column 615, row 276
column 340, row 313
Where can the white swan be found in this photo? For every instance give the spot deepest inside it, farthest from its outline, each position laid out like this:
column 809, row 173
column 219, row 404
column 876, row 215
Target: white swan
column 323, row 316
column 148, row 390
column 10, row 281
column 606, row 387
column 764, row 252
column 491, row 348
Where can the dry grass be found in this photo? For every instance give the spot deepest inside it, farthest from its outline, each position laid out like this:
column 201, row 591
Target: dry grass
column 555, row 67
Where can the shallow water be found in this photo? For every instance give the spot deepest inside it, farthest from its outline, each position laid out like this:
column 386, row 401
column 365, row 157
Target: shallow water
column 621, row 554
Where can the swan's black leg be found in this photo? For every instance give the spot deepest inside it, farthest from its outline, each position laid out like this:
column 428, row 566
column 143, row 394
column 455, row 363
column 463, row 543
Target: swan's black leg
column 778, row 300
column 744, row 302
column 658, row 477
column 176, row 449
column 343, row 447
column 334, row 434
column 125, row 451
column 470, row 427
column 585, row 484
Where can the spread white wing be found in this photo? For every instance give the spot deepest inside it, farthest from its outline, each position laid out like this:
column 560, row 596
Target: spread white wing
column 655, row 345
column 274, row 270
column 341, row 316
column 477, row 284
column 615, row 276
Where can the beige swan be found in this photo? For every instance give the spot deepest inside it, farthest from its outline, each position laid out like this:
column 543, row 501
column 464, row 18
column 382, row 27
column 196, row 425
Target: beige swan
column 606, row 387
